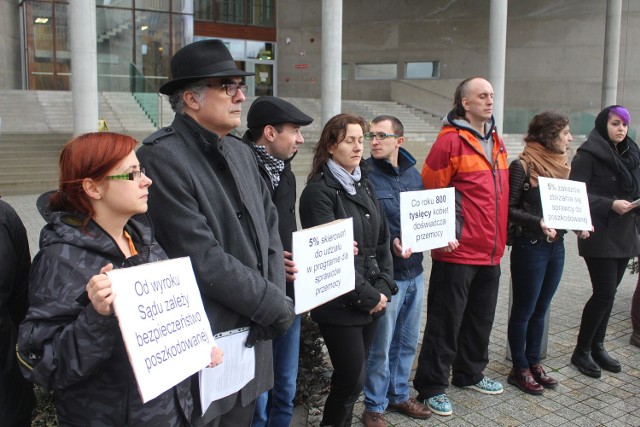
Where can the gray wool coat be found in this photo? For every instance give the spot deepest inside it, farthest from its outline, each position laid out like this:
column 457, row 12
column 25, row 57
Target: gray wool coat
column 209, row 202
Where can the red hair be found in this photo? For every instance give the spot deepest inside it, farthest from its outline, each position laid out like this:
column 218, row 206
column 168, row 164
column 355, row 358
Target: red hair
column 91, row 155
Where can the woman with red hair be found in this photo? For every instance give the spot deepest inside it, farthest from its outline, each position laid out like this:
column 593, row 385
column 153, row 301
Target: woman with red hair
column 70, row 341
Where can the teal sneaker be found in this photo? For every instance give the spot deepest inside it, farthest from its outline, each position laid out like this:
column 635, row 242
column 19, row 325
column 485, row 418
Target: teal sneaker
column 487, row 386
column 439, row 405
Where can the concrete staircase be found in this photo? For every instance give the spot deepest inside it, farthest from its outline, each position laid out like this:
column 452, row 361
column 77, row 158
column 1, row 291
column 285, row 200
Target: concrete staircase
column 35, row 125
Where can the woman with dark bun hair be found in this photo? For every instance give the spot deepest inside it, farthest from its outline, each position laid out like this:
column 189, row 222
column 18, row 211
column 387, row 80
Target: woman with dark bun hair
column 609, row 163
column 537, row 254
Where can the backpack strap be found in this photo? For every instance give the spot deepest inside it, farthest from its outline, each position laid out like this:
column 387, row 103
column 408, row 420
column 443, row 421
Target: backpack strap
column 527, row 183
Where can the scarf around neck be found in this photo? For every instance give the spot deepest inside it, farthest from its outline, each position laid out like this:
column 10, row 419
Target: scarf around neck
column 273, row 166
column 545, row 163
column 346, row 179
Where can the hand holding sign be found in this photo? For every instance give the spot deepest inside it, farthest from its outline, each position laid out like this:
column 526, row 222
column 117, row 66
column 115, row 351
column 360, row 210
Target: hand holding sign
column 324, row 256
column 100, row 292
column 565, row 204
column 163, row 323
column 427, row 218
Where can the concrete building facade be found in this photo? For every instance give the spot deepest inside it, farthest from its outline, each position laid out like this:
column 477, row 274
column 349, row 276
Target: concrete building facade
column 554, row 53
column 411, row 51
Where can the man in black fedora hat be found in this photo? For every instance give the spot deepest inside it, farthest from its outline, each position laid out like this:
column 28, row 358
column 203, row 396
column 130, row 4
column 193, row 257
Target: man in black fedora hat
column 210, row 203
column 274, row 135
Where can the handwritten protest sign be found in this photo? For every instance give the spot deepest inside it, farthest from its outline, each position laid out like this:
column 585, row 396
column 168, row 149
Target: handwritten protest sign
column 565, row 204
column 163, row 323
column 324, row 258
column 427, row 218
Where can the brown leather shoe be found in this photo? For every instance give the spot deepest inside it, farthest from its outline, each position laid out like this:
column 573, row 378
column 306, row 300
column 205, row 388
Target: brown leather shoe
column 541, row 377
column 411, row 408
column 373, row 419
column 523, row 379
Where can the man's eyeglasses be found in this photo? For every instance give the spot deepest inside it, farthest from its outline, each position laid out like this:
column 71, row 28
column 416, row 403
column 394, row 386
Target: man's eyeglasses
column 131, row 176
column 379, row 136
column 232, row 88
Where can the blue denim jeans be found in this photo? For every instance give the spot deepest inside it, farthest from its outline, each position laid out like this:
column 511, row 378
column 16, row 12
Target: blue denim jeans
column 394, row 347
column 536, row 270
column 275, row 407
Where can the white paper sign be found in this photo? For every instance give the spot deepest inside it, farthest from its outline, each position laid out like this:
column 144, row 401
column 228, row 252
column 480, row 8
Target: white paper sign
column 565, row 204
column 427, row 218
column 237, row 369
column 163, row 323
column 324, row 258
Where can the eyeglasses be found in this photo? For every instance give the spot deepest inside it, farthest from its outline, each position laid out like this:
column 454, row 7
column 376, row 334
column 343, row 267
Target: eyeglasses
column 379, row 136
column 232, row 88
column 131, row 176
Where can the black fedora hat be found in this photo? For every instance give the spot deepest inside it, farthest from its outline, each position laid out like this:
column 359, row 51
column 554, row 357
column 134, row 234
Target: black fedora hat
column 199, row 60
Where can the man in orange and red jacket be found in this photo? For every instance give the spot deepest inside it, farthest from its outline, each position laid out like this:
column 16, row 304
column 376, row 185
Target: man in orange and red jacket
column 469, row 156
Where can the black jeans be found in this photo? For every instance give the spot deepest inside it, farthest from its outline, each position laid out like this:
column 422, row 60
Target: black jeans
column 461, row 306
column 348, row 349
column 606, row 274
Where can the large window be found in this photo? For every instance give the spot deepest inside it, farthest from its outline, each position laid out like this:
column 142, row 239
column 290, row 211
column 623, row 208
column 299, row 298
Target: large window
column 422, row 70
column 241, row 12
column 384, row 71
column 49, row 53
column 135, row 40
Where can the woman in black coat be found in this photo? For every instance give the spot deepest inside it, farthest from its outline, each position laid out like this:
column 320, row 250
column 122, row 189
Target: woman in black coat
column 70, row 341
column 609, row 163
column 338, row 188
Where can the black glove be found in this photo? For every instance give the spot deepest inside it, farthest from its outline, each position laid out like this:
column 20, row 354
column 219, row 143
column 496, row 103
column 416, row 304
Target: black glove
column 276, row 329
column 260, row 333
column 286, row 317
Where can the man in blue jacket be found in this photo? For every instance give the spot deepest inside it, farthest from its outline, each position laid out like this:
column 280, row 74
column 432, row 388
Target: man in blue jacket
column 394, row 346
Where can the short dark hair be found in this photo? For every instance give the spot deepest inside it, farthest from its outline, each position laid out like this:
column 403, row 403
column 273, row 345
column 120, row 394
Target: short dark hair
column 256, row 133
column 545, row 127
column 396, row 124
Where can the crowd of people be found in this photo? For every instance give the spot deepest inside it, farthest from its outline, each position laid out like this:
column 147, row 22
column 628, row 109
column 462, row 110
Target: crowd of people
column 193, row 189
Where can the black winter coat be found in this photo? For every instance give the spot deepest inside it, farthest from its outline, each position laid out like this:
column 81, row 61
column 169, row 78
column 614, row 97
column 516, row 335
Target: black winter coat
column 614, row 235
column 16, row 394
column 525, row 206
column 324, row 200
column 67, row 346
column 284, row 198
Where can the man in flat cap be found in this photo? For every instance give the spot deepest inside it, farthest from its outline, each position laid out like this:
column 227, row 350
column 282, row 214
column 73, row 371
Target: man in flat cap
column 210, row 203
column 274, row 136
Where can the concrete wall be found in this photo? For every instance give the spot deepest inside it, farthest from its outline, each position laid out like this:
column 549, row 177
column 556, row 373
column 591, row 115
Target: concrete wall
column 554, row 49
column 10, row 68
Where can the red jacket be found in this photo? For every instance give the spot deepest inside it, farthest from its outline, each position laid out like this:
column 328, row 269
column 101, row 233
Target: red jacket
column 457, row 160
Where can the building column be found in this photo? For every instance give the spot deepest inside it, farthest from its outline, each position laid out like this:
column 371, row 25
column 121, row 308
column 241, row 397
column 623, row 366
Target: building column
column 331, row 94
column 84, row 66
column 611, row 53
column 497, row 55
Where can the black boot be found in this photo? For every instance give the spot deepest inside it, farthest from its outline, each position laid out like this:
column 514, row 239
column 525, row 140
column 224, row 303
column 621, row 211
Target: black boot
column 602, row 358
column 635, row 336
column 585, row 363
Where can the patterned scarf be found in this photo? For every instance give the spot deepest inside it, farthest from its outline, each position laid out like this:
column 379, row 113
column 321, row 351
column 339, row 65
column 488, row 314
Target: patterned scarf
column 273, row 166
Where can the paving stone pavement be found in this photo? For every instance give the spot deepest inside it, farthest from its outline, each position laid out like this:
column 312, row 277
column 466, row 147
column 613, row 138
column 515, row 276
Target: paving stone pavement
column 612, row 400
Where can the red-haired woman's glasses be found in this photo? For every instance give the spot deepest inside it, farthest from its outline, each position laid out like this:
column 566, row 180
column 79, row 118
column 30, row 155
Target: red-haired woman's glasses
column 131, row 176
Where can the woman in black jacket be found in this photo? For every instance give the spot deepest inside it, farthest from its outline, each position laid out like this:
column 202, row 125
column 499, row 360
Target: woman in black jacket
column 338, row 188
column 609, row 163
column 537, row 254
column 70, row 341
